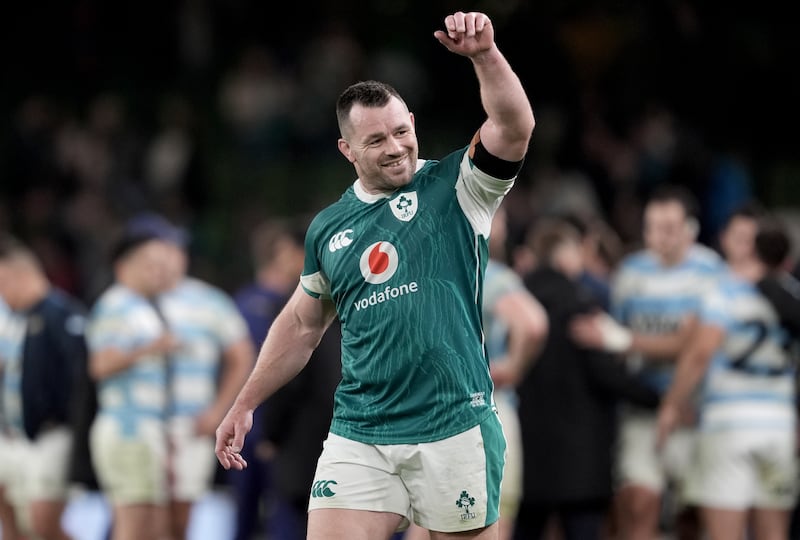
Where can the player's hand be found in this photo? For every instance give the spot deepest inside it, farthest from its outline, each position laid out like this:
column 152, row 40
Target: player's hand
column 230, row 438
column 503, row 374
column 669, row 417
column 164, row 344
column 600, row 331
column 206, row 422
column 467, row 34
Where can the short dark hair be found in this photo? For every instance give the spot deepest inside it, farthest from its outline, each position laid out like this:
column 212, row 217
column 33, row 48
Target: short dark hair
column 548, row 234
column 12, row 249
column 266, row 236
column 9, row 246
column 666, row 193
column 748, row 210
column 772, row 243
column 127, row 244
column 365, row 93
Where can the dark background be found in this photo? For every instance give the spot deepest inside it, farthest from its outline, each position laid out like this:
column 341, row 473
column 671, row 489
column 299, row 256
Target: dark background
column 627, row 94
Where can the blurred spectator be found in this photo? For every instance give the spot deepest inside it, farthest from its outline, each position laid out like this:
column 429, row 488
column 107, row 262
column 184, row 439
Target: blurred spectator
column 129, row 344
column 174, row 174
column 212, row 359
column 48, row 352
column 602, row 250
column 567, row 401
column 255, row 100
column 276, row 250
column 332, row 59
column 773, row 249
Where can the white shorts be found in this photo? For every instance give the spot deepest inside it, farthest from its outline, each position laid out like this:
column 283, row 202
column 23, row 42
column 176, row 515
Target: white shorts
column 448, row 486
column 192, row 461
column 511, row 488
column 38, row 470
column 740, row 470
column 130, row 469
column 640, row 463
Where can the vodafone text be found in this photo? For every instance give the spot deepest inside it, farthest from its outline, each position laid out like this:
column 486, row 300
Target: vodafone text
column 378, row 297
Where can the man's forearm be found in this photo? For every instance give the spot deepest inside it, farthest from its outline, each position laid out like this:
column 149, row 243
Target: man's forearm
column 506, row 104
column 283, row 355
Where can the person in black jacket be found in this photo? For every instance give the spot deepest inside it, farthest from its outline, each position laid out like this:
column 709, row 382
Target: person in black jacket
column 39, row 383
column 296, row 420
column 567, row 402
column 772, row 247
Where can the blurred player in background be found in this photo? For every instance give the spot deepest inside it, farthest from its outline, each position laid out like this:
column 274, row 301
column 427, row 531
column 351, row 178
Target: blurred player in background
column 129, row 347
column 656, row 297
column 276, row 248
column 205, row 371
column 47, row 350
column 11, row 328
column 745, row 468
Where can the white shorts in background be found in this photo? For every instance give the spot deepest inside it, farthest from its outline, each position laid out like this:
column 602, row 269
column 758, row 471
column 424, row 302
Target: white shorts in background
column 131, row 469
column 449, row 485
column 511, row 488
column 640, row 463
column 738, row 470
column 192, row 461
column 38, row 470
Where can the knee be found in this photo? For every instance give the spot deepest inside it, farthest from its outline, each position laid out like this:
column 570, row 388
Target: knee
column 640, row 505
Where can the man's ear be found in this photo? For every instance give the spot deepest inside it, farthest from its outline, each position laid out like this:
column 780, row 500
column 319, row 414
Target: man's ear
column 693, row 227
column 344, row 148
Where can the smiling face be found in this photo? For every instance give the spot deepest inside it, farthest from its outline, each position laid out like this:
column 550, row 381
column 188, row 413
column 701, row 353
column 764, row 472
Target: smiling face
column 381, row 144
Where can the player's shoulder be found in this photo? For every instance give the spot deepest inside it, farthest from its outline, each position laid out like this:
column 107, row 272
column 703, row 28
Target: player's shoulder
column 115, row 300
column 194, row 289
column 497, row 271
column 704, row 259
column 60, row 302
column 641, row 260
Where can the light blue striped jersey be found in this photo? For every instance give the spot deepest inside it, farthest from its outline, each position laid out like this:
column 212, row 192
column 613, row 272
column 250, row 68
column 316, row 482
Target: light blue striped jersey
column 750, row 383
column 206, row 321
column 653, row 299
column 500, row 280
column 121, row 319
column 12, row 335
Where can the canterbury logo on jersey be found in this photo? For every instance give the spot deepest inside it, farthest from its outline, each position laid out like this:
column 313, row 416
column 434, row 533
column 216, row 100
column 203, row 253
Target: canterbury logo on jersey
column 340, row 240
column 322, row 488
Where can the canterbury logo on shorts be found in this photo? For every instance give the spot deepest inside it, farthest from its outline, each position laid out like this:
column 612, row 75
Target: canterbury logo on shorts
column 322, row 488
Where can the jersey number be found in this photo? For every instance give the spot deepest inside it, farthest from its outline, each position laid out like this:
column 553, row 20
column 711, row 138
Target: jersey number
column 742, row 363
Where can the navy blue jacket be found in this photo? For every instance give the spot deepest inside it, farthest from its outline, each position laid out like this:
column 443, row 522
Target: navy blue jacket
column 54, row 353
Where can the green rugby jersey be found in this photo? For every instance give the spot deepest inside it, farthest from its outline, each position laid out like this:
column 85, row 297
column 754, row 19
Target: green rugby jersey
column 405, row 272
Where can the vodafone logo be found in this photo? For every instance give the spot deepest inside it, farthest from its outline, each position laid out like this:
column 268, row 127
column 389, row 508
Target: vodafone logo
column 378, row 262
column 340, row 240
